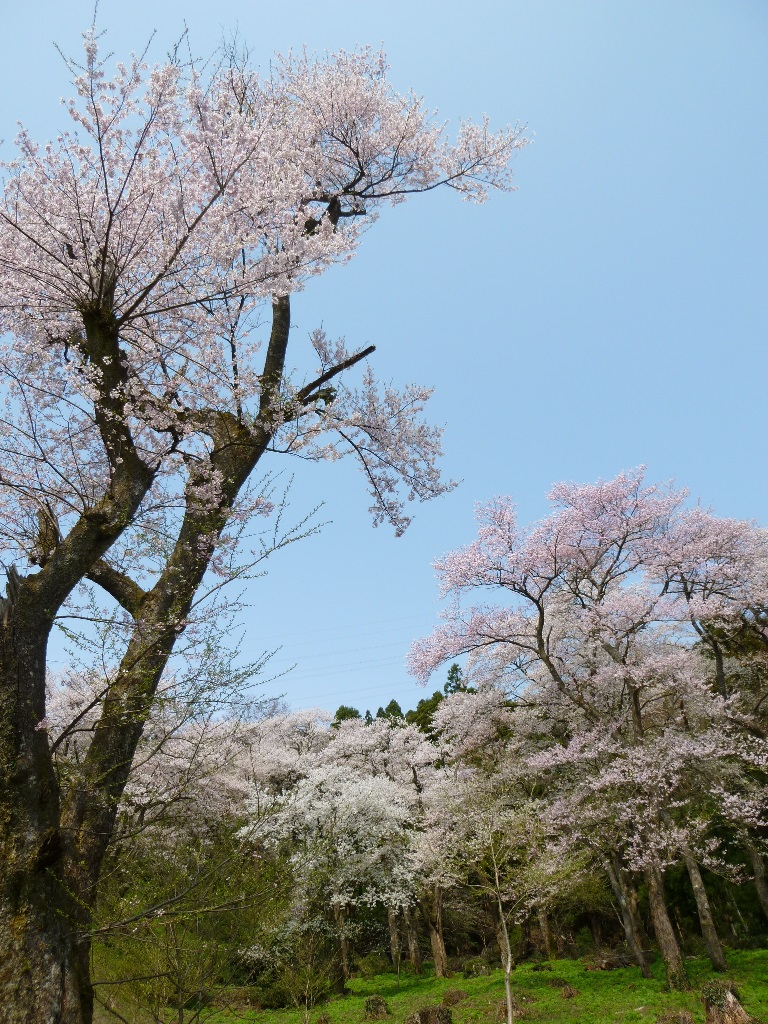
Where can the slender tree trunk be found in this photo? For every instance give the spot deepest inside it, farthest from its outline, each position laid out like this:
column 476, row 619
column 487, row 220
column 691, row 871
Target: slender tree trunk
column 339, row 914
column 393, row 920
column 502, row 939
column 677, row 977
column 628, row 918
column 546, row 934
column 412, row 935
column 507, row 961
column 758, row 869
column 708, row 930
column 439, row 955
column 631, row 890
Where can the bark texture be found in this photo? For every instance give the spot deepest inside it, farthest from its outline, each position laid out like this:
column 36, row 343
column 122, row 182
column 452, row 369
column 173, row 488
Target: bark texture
column 432, row 911
column 412, row 935
column 708, row 930
column 628, row 917
column 546, row 933
column 758, row 870
column 393, row 922
column 677, row 977
column 722, row 1005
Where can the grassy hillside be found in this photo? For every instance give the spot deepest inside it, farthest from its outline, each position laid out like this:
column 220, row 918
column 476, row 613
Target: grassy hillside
column 619, row 996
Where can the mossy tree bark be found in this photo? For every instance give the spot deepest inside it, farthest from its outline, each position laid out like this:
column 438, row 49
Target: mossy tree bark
column 412, row 935
column 41, row 964
column 629, row 921
column 758, row 873
column 708, row 930
column 677, row 977
column 432, row 911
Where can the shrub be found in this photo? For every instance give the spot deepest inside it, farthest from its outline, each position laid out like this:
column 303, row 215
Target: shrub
column 372, row 964
column 475, row 966
column 376, row 1008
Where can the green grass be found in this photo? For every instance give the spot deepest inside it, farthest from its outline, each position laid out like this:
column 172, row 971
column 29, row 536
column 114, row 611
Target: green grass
column 604, row 997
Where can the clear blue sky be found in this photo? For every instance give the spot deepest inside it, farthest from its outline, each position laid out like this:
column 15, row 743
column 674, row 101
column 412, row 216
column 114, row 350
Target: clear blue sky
column 611, row 312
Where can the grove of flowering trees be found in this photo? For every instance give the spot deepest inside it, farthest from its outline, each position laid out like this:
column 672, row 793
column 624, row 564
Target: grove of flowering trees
column 139, row 252
column 495, row 826
column 610, row 735
column 617, row 786
column 612, row 628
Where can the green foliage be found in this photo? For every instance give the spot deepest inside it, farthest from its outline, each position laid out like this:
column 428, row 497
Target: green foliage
column 174, row 915
column 312, row 972
column 716, row 992
column 455, row 682
column 475, row 967
column 372, row 964
column 344, row 714
column 392, row 711
column 424, row 713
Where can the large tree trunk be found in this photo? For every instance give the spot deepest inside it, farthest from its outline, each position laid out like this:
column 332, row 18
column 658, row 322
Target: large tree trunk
column 677, row 977
column 412, row 934
column 432, row 911
column 38, row 980
column 546, row 934
column 44, row 971
column 758, row 869
column 708, row 930
column 628, row 918
column 51, row 855
column 44, row 968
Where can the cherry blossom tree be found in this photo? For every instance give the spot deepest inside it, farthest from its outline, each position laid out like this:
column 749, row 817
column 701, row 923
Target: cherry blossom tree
column 401, row 753
column 139, row 253
column 605, row 608
column 350, row 837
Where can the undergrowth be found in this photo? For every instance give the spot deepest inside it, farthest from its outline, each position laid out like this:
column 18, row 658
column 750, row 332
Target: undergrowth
column 620, row 996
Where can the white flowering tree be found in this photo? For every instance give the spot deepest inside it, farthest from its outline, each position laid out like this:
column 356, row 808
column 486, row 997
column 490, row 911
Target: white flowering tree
column 350, row 837
column 138, row 252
